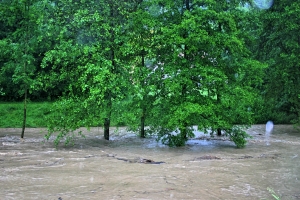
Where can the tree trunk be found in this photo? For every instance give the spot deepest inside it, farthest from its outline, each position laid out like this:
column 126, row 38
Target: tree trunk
column 25, row 109
column 108, row 95
column 183, row 132
column 106, row 128
column 187, row 4
column 143, row 135
column 219, row 132
column 143, row 117
column 26, row 7
column 107, row 119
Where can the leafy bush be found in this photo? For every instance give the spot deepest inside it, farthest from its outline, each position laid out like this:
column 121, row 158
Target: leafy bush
column 172, row 138
column 238, row 136
column 67, row 117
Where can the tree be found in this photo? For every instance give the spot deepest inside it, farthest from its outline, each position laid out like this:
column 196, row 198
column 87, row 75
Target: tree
column 18, row 64
column 209, row 72
column 174, row 64
column 86, row 59
column 139, row 52
column 279, row 48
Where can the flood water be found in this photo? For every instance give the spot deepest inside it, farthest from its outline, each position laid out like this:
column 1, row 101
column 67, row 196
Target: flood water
column 203, row 169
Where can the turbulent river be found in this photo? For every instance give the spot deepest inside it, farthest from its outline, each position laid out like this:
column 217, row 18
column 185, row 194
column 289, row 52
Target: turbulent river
column 117, row 169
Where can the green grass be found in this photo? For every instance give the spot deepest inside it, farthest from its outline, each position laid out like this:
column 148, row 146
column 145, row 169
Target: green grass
column 11, row 114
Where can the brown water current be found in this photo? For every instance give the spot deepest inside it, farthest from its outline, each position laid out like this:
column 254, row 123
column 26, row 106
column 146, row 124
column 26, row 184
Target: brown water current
column 97, row 169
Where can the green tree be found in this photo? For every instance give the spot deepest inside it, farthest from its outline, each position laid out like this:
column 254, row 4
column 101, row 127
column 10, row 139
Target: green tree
column 86, row 59
column 172, row 64
column 210, row 76
column 279, row 48
column 19, row 44
column 139, row 52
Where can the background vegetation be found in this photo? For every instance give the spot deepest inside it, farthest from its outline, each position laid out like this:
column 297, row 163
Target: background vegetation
column 12, row 114
column 165, row 64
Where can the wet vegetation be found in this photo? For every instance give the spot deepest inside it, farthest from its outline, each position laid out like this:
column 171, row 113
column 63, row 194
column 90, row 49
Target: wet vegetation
column 162, row 64
column 12, row 114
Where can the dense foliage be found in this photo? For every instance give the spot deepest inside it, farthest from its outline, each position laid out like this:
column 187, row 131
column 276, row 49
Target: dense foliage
column 163, row 64
column 279, row 47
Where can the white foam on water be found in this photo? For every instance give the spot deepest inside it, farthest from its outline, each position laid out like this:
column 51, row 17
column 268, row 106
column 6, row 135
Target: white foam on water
column 269, row 126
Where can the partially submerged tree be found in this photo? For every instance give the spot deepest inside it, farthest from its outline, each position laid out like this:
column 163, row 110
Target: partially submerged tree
column 201, row 72
column 139, row 52
column 18, row 45
column 209, row 72
column 85, row 58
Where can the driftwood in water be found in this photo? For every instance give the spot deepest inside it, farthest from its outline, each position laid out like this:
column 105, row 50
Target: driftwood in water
column 140, row 160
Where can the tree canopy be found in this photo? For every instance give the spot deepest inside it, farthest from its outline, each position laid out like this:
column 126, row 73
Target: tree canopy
column 159, row 67
column 279, row 47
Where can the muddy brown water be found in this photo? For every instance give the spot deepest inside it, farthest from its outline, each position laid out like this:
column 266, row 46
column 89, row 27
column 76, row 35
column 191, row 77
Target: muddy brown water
column 203, row 169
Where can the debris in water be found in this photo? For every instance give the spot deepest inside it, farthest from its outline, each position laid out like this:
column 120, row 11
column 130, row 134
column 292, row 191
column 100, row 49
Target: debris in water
column 140, row 160
column 208, row 157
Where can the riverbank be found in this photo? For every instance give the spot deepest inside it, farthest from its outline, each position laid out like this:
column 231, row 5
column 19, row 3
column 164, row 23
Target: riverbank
column 38, row 115
column 12, row 114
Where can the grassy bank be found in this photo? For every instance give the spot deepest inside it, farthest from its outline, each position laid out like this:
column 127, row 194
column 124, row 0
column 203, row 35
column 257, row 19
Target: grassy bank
column 11, row 114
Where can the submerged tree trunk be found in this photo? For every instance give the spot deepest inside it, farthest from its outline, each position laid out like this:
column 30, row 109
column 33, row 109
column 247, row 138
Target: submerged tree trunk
column 107, row 119
column 143, row 117
column 143, row 135
column 108, row 115
column 183, row 133
column 219, row 132
column 26, row 7
column 183, row 130
column 108, row 95
column 106, row 128
column 25, row 110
